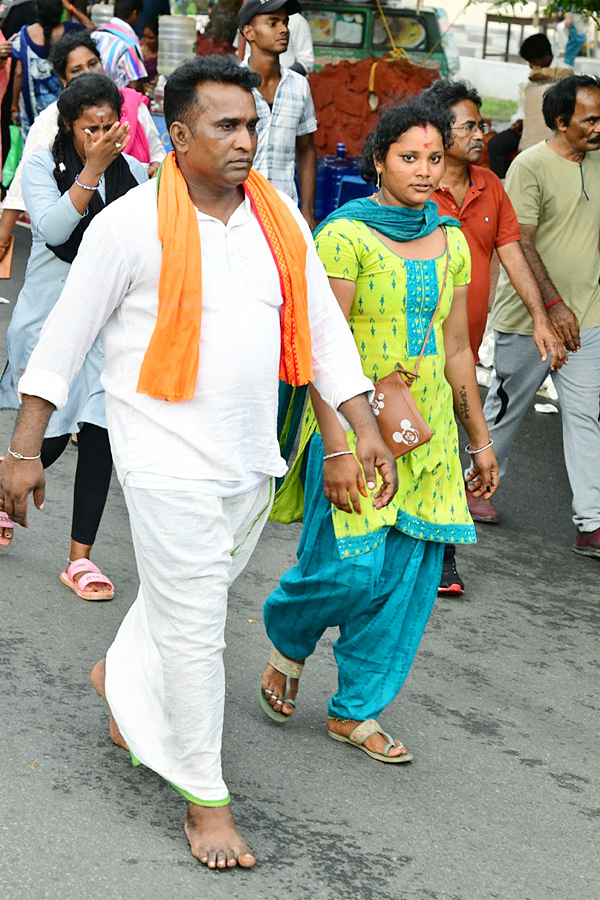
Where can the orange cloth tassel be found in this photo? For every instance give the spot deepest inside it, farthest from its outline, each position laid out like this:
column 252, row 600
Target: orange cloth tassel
column 170, row 366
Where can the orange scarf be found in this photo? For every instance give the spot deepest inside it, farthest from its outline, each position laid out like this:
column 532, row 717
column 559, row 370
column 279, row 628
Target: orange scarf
column 170, row 366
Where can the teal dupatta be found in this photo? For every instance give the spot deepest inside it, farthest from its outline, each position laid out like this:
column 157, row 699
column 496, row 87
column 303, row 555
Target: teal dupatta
column 399, row 223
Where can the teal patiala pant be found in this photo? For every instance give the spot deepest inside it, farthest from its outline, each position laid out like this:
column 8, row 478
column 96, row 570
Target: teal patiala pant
column 380, row 601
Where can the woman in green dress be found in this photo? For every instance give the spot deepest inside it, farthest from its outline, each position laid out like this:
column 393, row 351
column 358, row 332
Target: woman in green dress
column 374, row 573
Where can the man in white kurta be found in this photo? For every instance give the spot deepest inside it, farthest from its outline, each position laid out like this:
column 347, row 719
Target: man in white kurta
column 197, row 475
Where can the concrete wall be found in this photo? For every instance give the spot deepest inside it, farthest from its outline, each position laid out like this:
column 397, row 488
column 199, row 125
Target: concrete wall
column 495, row 78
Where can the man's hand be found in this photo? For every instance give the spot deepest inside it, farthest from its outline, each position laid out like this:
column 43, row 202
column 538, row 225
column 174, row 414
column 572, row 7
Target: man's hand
column 18, row 479
column 343, row 483
column 371, row 450
column 549, row 344
column 566, row 325
column 373, row 454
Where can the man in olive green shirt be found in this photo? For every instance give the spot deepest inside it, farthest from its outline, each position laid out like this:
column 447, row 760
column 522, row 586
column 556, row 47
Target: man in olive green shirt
column 555, row 190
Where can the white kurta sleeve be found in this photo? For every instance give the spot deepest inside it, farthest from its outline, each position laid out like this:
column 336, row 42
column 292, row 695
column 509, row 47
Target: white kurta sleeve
column 97, row 282
column 336, row 362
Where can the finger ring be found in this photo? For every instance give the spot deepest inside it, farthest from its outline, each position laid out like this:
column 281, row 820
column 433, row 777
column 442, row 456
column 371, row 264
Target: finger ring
column 118, row 145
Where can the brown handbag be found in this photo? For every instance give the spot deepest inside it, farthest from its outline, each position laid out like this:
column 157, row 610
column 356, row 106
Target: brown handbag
column 401, row 424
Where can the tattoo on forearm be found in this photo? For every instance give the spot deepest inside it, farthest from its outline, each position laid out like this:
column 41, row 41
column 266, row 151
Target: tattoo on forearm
column 463, row 406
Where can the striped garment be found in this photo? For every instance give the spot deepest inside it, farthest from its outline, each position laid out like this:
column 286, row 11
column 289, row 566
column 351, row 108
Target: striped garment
column 120, row 52
column 292, row 115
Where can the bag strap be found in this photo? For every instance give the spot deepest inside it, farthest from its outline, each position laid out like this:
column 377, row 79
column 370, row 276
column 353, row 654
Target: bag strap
column 440, row 295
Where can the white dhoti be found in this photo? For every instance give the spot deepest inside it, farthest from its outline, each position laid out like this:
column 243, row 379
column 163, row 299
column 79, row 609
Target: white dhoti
column 165, row 680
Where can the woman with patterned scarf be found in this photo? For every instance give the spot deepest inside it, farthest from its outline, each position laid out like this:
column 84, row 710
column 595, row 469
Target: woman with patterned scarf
column 374, row 573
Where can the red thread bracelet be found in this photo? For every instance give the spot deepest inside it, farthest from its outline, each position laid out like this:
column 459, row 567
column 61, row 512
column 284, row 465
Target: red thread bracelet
column 552, row 302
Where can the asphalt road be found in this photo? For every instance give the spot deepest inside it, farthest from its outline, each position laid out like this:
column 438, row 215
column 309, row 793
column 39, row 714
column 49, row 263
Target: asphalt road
column 500, row 710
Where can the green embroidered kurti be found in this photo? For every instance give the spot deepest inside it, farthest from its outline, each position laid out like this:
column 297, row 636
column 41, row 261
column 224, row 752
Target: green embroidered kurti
column 394, row 301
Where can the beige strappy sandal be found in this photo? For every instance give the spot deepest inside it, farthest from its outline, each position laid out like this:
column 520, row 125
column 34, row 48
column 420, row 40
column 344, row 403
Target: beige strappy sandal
column 363, row 731
column 290, row 669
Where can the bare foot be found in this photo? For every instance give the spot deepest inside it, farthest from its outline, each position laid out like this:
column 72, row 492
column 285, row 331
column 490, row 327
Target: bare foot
column 375, row 742
column 275, row 682
column 98, row 677
column 214, row 838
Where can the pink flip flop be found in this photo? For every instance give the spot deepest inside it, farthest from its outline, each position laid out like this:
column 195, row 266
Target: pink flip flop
column 93, row 575
column 6, row 522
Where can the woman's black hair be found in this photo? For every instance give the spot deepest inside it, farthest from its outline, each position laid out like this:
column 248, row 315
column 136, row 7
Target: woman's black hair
column 560, row 98
column 48, row 15
column 181, row 97
column 59, row 54
column 152, row 24
column 395, row 122
column 83, row 92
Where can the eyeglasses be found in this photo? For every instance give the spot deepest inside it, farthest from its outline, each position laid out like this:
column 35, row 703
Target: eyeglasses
column 470, row 127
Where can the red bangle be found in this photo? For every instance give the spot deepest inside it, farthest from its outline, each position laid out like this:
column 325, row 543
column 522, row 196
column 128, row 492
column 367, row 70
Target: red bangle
column 552, row 302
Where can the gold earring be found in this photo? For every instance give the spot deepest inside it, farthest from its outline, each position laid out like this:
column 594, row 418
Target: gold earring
column 378, row 181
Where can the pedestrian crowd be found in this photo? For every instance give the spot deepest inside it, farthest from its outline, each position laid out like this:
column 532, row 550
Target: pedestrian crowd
column 178, row 311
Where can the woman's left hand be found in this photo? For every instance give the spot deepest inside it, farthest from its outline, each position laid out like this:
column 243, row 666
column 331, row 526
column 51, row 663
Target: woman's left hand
column 102, row 148
column 483, row 479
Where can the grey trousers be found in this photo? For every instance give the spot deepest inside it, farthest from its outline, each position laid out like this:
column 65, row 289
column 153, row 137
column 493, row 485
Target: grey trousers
column 518, row 374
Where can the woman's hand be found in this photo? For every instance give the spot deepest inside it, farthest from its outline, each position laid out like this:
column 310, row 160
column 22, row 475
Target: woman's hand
column 102, row 148
column 483, row 479
column 343, row 483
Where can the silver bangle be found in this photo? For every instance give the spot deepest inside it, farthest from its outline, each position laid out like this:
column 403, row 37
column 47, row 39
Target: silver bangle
column 86, row 187
column 339, row 453
column 20, row 455
column 479, row 449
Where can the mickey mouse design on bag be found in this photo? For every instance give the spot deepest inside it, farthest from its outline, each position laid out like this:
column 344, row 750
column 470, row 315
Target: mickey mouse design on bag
column 408, row 435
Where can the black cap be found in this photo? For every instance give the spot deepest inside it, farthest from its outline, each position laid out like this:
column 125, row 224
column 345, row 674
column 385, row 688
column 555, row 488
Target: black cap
column 253, row 8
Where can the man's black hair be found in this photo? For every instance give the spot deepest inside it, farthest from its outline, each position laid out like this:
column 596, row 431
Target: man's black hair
column 181, row 96
column 48, row 14
column 126, row 8
column 560, row 98
column 59, row 53
column 415, row 112
column 536, row 47
column 448, row 93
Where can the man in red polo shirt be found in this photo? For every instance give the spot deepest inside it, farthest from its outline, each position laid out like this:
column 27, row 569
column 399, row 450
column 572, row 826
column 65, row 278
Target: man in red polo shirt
column 475, row 196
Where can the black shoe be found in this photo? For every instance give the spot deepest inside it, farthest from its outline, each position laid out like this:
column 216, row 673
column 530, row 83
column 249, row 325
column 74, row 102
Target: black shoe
column 450, row 582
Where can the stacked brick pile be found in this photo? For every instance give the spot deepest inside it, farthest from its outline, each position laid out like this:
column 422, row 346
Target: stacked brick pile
column 341, row 91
